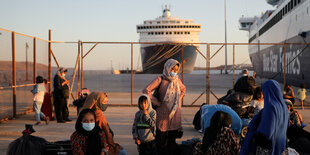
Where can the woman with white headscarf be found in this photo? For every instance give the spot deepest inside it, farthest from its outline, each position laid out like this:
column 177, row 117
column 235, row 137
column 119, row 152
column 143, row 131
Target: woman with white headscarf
column 170, row 90
column 61, row 95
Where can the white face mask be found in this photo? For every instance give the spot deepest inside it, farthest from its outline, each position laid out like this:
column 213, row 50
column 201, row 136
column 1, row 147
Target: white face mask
column 88, row 126
column 173, row 74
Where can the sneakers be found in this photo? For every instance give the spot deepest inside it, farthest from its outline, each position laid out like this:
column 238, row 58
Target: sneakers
column 46, row 120
column 68, row 120
column 38, row 123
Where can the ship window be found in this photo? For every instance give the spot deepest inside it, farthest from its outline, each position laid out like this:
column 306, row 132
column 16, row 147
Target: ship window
column 169, row 26
column 166, row 32
column 158, row 22
column 175, row 32
column 189, row 32
column 198, row 26
column 181, row 32
column 166, row 26
column 298, row 1
column 285, row 9
column 186, row 21
column 289, row 7
column 178, row 21
column 174, row 26
column 170, row 32
column 178, row 32
column 295, row 3
column 155, row 33
column 162, row 32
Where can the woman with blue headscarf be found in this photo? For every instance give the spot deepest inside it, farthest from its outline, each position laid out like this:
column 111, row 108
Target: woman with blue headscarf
column 267, row 131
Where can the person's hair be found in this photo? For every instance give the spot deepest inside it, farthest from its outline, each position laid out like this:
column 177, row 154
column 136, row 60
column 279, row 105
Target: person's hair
column 257, row 93
column 78, row 124
column 302, row 85
column 142, row 99
column 93, row 142
column 39, row 79
column 286, row 85
column 219, row 120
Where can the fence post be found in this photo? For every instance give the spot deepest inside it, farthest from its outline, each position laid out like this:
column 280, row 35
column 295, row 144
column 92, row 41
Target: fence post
column 79, row 69
column 234, row 76
column 208, row 75
column 82, row 65
column 131, row 73
column 182, row 69
column 14, row 74
column 49, row 61
column 284, row 65
column 34, row 59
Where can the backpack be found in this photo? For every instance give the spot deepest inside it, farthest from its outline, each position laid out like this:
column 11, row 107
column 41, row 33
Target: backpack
column 156, row 93
column 245, row 84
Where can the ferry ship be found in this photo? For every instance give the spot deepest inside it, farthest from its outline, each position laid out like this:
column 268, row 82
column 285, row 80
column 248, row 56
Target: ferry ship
column 288, row 23
column 167, row 29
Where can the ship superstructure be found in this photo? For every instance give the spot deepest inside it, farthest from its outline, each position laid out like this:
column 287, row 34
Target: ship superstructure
column 168, row 29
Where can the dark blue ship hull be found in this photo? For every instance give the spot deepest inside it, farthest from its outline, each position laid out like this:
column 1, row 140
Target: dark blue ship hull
column 269, row 62
column 154, row 57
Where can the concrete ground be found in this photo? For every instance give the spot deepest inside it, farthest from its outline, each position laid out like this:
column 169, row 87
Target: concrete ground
column 119, row 118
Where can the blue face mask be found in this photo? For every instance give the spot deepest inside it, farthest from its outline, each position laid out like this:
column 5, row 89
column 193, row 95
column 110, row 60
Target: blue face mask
column 88, row 126
column 173, row 74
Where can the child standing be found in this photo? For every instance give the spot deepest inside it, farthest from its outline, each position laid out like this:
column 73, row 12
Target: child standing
column 143, row 129
column 302, row 94
column 39, row 91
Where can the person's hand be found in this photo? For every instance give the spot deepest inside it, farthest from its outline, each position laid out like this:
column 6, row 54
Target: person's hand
column 137, row 141
column 144, row 111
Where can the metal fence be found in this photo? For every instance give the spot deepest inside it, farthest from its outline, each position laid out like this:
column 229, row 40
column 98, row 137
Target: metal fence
column 26, row 57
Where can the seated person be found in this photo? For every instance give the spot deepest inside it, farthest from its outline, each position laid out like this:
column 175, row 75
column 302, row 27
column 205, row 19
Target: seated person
column 218, row 137
column 88, row 137
column 246, row 83
column 80, row 101
column 295, row 117
column 288, row 93
column 258, row 101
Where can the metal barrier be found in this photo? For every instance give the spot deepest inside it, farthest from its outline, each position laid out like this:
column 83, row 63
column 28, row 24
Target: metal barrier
column 42, row 49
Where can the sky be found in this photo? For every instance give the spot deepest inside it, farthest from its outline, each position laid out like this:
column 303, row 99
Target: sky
column 115, row 21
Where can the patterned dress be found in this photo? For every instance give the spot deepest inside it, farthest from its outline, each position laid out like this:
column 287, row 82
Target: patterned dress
column 226, row 143
column 78, row 142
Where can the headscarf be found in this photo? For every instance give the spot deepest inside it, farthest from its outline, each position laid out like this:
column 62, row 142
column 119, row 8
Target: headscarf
column 219, row 120
column 95, row 101
column 271, row 122
column 93, row 143
column 172, row 96
column 289, row 102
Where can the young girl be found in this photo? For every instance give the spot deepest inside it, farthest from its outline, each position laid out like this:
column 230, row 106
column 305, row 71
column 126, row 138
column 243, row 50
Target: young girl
column 88, row 137
column 258, row 100
column 302, row 94
column 39, row 91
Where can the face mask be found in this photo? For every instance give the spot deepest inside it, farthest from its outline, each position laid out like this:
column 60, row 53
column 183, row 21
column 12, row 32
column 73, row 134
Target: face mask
column 173, row 74
column 88, row 126
column 104, row 107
